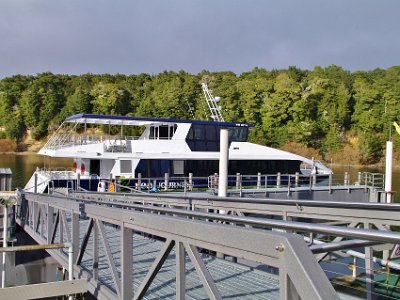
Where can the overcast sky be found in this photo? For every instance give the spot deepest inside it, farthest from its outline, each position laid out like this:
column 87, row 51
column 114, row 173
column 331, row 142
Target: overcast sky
column 131, row 37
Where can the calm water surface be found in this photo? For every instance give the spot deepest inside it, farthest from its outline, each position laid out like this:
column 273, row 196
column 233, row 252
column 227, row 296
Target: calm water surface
column 23, row 166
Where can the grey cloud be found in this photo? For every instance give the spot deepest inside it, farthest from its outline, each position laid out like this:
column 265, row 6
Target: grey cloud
column 130, row 37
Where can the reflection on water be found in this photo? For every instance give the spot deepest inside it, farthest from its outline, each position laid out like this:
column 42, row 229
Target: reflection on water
column 23, row 166
column 339, row 172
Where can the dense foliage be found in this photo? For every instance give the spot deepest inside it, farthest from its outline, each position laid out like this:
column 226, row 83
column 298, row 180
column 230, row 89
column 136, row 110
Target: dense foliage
column 327, row 108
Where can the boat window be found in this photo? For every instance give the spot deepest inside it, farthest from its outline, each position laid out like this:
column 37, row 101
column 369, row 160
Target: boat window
column 153, row 167
column 263, row 166
column 172, row 129
column 207, row 137
column 126, row 166
column 94, row 168
column 198, row 132
column 201, row 168
column 178, row 167
column 238, row 134
column 212, row 146
column 153, row 132
column 162, row 132
column 211, row 134
column 190, row 135
column 244, row 167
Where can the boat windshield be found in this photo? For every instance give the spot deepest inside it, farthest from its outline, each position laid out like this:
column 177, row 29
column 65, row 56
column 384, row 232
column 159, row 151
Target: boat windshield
column 206, row 137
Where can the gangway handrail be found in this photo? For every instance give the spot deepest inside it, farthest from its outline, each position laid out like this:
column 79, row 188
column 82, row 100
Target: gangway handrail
column 131, row 189
column 359, row 233
column 311, row 203
column 371, row 235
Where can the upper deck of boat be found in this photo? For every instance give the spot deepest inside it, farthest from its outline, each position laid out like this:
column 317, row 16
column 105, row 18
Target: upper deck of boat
column 141, row 121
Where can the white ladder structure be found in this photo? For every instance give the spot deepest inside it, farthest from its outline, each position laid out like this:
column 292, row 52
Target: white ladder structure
column 212, row 101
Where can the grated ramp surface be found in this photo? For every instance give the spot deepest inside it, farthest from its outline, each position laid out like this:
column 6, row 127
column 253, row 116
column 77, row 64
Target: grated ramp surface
column 234, row 281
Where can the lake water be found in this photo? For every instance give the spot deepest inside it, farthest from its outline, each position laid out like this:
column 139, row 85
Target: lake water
column 23, row 166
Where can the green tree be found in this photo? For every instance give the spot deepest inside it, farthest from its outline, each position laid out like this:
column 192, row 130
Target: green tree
column 42, row 102
column 136, row 84
column 368, row 108
column 109, row 99
column 254, row 88
column 31, row 101
column 277, row 109
column 10, row 114
column 331, row 142
column 370, row 147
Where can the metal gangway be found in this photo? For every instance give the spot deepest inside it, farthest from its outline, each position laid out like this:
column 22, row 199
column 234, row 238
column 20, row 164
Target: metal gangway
column 153, row 246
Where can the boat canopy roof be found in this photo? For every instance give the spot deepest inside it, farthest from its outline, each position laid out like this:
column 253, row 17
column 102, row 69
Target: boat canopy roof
column 140, row 121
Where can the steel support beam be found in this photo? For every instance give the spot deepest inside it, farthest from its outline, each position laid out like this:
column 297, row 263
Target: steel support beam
column 180, row 271
column 110, row 260
column 84, row 243
column 44, row 290
column 126, row 262
column 205, row 276
column 151, row 274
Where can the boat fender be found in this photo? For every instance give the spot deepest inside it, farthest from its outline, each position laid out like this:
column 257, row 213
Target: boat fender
column 111, row 187
column 101, row 187
column 83, row 169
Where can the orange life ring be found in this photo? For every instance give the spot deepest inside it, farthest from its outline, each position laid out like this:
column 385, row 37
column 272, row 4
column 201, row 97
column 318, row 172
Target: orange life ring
column 83, row 169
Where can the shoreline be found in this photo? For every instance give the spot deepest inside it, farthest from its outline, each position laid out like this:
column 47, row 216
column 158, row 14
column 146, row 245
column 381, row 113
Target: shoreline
column 19, row 153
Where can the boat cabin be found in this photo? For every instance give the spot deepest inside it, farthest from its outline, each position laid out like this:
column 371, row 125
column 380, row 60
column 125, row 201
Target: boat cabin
column 104, row 146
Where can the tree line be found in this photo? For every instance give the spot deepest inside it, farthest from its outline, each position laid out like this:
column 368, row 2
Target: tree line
column 329, row 109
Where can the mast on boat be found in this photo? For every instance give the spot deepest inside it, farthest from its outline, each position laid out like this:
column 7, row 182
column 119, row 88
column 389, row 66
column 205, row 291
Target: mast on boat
column 212, row 101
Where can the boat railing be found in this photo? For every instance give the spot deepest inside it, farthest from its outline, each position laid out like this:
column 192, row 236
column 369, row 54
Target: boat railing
column 376, row 180
column 117, row 144
column 258, row 181
column 240, row 182
column 288, row 181
column 57, row 173
column 67, row 139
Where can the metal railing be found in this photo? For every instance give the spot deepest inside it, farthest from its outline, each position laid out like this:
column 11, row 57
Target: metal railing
column 158, row 216
column 112, row 143
column 345, row 216
column 47, row 217
column 375, row 180
column 240, row 181
column 69, row 139
column 241, row 184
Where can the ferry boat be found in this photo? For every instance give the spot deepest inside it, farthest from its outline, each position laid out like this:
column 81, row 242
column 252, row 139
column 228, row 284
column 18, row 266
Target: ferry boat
column 102, row 147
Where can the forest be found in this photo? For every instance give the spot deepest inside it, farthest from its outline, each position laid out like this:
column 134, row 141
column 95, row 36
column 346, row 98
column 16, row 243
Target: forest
column 329, row 113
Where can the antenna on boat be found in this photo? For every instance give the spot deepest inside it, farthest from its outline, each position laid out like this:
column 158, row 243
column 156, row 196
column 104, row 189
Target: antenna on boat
column 190, row 109
column 212, row 101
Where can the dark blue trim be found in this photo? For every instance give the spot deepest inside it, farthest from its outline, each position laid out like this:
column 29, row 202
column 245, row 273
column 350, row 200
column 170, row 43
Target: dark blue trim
column 156, row 120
